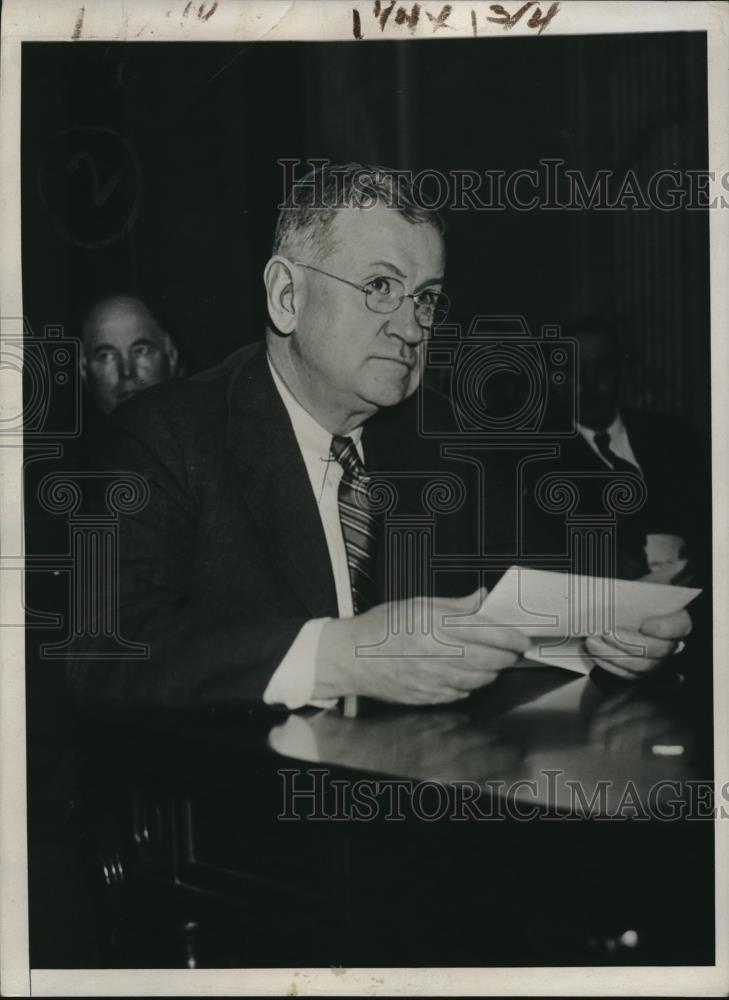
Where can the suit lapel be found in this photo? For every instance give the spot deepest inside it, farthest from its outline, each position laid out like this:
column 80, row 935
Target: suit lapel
column 391, row 453
column 278, row 490
column 640, row 442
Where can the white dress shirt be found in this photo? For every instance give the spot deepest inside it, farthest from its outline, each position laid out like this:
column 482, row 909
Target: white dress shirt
column 619, row 442
column 293, row 682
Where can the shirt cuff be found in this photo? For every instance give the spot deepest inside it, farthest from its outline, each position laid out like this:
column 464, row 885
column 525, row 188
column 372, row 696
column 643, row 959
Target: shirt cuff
column 293, row 682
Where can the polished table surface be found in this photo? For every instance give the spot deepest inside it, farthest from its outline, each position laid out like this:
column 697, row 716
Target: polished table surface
column 179, row 816
column 535, row 733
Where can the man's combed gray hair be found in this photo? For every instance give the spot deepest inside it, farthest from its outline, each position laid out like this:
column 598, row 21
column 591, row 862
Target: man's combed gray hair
column 304, row 227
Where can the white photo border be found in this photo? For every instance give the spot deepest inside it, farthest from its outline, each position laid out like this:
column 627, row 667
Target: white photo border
column 280, row 20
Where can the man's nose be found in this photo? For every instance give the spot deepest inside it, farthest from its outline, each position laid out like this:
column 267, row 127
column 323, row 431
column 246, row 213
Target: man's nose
column 127, row 367
column 403, row 324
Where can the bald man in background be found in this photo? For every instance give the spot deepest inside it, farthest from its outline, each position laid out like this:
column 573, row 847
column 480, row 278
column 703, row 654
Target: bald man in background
column 124, row 351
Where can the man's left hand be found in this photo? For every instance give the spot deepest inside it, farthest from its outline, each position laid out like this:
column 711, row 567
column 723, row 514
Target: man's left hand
column 657, row 639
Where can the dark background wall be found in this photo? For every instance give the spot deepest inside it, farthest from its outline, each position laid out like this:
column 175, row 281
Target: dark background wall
column 152, row 168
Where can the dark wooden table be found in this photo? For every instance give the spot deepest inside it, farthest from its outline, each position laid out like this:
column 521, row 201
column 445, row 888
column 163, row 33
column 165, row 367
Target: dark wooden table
column 552, row 740
column 581, row 843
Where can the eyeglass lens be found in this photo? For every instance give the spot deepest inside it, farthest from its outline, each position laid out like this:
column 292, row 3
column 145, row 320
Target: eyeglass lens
column 430, row 307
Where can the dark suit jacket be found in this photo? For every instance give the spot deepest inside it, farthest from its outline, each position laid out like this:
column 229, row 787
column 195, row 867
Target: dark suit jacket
column 228, row 559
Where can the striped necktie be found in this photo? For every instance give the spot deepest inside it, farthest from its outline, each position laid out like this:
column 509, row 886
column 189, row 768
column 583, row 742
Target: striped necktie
column 360, row 527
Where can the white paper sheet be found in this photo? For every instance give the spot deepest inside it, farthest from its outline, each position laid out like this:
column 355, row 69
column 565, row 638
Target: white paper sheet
column 570, row 656
column 563, row 608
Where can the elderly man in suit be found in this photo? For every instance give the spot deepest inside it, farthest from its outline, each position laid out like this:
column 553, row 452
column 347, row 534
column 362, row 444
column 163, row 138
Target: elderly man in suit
column 255, row 571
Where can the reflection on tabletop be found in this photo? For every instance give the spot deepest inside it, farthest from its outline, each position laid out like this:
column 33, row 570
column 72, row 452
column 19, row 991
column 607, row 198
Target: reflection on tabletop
column 517, row 730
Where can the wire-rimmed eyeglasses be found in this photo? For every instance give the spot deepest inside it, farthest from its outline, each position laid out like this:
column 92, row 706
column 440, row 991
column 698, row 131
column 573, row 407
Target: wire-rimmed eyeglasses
column 384, row 294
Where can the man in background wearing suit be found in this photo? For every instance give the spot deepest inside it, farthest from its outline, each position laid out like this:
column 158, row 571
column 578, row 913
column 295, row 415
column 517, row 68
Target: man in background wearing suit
column 255, row 571
column 668, row 536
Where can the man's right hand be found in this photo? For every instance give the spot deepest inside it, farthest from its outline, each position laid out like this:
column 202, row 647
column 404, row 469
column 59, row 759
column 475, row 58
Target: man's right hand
column 364, row 655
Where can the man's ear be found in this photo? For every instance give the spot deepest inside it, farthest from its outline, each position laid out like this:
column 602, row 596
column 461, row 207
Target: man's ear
column 83, row 369
column 281, row 294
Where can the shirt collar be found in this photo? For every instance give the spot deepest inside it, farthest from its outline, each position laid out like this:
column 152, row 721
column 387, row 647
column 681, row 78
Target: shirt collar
column 310, row 435
column 615, row 430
